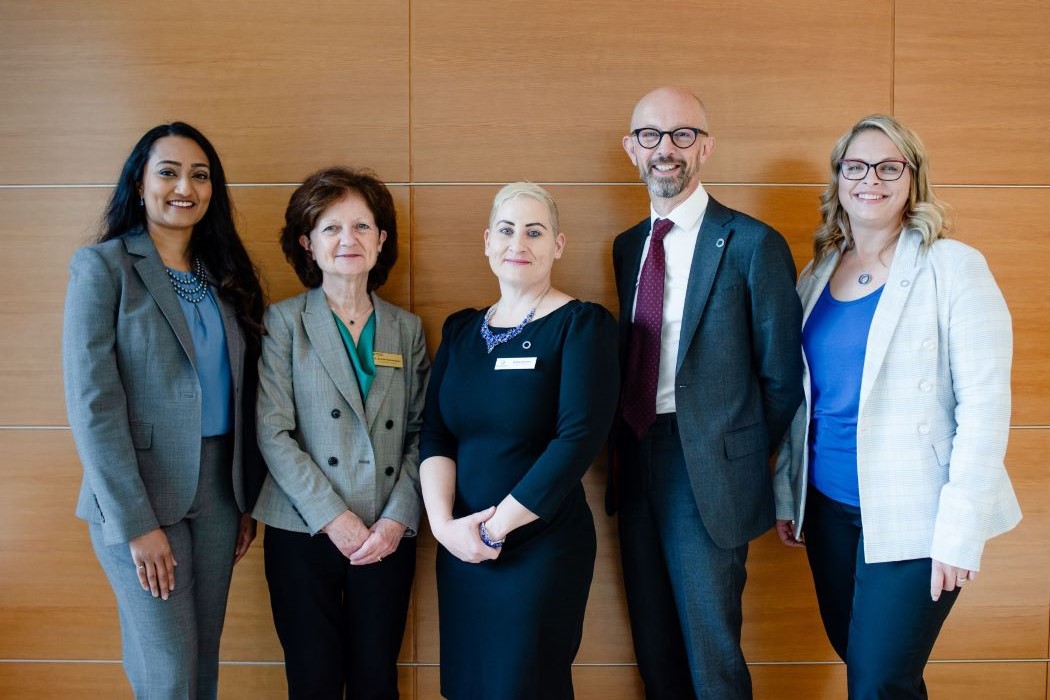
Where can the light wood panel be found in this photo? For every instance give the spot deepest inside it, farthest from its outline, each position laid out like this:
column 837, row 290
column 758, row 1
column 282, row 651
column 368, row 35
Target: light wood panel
column 973, row 78
column 975, row 681
column 279, row 89
column 39, row 231
column 106, row 681
column 545, row 91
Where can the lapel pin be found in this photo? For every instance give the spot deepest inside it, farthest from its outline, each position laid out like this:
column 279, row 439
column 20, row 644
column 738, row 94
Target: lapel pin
column 527, row 344
column 720, row 243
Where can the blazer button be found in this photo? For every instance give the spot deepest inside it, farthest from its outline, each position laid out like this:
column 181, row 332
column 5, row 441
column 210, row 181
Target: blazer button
column 332, row 461
column 389, row 424
column 389, row 471
column 924, row 429
column 336, row 413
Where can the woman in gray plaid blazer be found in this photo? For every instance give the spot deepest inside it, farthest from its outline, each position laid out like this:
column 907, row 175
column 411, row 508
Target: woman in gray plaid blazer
column 892, row 472
column 341, row 385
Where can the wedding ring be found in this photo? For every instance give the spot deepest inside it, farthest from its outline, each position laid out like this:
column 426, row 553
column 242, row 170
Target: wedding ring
column 141, row 566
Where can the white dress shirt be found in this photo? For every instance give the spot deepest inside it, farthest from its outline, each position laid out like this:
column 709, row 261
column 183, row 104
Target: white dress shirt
column 678, row 252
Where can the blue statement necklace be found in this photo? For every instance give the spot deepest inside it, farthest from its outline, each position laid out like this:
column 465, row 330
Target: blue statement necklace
column 493, row 339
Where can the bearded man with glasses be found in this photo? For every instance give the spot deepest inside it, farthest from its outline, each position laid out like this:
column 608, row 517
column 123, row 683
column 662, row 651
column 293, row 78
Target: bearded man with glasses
column 712, row 370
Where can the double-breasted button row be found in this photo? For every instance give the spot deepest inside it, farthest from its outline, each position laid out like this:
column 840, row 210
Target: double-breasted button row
column 389, row 471
column 336, row 413
column 332, row 461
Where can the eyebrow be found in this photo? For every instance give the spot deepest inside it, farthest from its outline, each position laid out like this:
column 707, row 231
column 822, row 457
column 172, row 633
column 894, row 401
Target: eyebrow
column 175, row 162
column 534, row 223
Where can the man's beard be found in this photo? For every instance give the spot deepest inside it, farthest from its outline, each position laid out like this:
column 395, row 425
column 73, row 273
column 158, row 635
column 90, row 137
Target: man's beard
column 664, row 186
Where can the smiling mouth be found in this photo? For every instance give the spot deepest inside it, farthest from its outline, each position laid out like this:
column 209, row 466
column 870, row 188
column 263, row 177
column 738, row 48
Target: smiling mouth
column 866, row 197
column 664, row 167
column 181, row 204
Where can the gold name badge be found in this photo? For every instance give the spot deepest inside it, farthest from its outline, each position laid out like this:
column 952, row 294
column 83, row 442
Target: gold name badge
column 388, row 359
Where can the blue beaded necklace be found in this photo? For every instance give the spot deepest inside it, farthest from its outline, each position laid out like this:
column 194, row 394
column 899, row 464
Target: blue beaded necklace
column 493, row 339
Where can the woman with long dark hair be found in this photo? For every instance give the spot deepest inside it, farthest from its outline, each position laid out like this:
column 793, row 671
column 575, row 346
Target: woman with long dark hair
column 159, row 348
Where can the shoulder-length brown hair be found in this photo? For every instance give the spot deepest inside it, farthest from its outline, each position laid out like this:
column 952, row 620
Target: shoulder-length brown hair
column 321, row 190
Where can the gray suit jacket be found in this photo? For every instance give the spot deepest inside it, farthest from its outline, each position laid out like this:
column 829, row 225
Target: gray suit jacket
column 132, row 393
column 327, row 450
column 739, row 375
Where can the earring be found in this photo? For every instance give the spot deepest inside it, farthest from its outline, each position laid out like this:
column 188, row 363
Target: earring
column 142, row 201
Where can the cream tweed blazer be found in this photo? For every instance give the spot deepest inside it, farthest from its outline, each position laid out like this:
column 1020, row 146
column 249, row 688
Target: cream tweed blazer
column 934, row 412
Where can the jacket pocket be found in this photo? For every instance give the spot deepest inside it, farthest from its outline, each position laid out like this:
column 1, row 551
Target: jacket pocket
column 745, row 441
column 943, row 449
column 141, row 435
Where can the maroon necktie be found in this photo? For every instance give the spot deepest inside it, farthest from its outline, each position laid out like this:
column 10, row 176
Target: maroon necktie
column 643, row 360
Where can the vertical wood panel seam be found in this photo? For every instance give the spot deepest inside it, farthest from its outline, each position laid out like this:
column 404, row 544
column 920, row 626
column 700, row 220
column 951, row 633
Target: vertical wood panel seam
column 893, row 57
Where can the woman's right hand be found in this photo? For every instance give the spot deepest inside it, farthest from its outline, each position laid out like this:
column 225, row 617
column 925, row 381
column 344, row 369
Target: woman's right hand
column 155, row 563
column 461, row 537
column 347, row 532
column 786, row 532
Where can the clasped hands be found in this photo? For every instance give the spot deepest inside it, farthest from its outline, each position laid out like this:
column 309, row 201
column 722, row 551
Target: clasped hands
column 461, row 537
column 361, row 544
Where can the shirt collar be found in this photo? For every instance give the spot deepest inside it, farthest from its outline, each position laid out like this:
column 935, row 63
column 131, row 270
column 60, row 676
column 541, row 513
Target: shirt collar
column 686, row 215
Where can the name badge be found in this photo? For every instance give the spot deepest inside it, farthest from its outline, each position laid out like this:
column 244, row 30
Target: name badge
column 388, row 359
column 516, row 363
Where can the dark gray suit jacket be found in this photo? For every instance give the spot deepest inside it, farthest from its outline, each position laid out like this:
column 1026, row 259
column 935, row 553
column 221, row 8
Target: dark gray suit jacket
column 739, row 374
column 132, row 393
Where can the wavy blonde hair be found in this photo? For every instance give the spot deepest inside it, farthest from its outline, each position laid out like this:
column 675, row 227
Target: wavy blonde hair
column 924, row 211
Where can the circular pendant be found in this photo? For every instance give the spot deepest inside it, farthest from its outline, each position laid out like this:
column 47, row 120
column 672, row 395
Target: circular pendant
column 864, row 278
column 526, row 345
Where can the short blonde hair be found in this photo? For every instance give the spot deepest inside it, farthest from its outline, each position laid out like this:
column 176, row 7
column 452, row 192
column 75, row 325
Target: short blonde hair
column 530, row 190
column 923, row 211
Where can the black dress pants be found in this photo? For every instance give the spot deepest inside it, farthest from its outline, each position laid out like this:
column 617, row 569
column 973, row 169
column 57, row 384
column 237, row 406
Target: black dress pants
column 341, row 626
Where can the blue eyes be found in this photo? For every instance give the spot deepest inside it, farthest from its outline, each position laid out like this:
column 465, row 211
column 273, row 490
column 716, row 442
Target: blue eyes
column 531, row 233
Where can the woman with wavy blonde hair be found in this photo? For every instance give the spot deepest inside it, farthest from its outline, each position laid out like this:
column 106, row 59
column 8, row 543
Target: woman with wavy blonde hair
column 892, row 473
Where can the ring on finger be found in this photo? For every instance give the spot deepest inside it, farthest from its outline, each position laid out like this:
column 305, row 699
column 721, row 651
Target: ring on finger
column 141, row 566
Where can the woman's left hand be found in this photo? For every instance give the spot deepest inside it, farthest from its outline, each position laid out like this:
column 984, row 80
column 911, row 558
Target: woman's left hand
column 945, row 577
column 246, row 530
column 385, row 535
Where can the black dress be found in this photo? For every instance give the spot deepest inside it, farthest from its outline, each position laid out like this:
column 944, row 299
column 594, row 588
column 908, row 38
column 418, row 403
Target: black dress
column 510, row 628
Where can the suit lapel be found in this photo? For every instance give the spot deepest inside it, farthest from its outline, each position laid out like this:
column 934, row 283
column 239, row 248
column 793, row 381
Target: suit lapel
column 387, row 340
column 711, row 243
column 628, row 278
column 328, row 344
column 155, row 277
column 903, row 270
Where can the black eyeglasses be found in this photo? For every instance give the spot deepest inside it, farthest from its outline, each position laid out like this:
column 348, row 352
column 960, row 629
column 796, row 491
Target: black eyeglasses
column 887, row 170
column 683, row 137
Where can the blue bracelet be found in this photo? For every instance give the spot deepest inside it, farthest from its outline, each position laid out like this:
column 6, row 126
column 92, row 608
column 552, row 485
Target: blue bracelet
column 484, row 532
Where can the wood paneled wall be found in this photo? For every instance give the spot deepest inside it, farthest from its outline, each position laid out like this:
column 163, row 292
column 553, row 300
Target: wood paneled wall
column 447, row 100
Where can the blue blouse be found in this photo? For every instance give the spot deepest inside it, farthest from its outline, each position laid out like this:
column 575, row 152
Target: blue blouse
column 213, row 360
column 835, row 340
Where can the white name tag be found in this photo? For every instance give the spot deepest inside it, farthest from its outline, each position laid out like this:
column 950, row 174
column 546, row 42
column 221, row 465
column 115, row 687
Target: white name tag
column 516, row 363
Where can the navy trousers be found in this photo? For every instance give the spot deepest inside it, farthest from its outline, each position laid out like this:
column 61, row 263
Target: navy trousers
column 683, row 591
column 879, row 617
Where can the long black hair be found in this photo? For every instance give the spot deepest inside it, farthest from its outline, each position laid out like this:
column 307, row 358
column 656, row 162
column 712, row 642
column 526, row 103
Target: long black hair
column 214, row 240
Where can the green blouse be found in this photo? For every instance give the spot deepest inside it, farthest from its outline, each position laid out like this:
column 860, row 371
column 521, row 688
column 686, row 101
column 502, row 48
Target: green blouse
column 361, row 353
